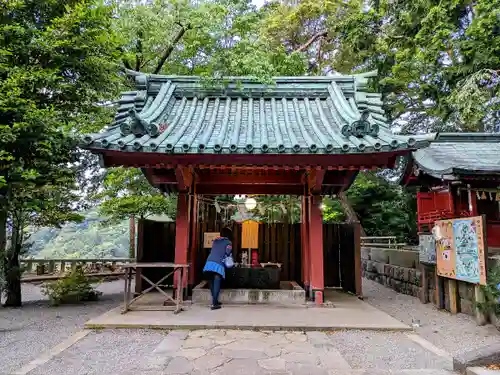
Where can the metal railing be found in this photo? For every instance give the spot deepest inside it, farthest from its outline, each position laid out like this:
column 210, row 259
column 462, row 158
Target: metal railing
column 386, row 242
column 53, row 269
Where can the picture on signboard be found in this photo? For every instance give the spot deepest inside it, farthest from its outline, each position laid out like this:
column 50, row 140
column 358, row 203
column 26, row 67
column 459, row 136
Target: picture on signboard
column 427, row 248
column 461, row 249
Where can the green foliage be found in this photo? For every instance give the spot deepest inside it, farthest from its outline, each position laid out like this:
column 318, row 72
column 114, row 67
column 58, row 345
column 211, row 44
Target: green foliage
column 127, row 192
column 383, row 209
column 438, row 62
column 57, row 63
column 491, row 292
column 210, row 39
column 332, row 211
column 74, row 288
column 278, row 209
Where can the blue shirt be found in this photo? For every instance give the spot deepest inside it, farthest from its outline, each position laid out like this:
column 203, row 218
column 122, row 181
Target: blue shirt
column 221, row 248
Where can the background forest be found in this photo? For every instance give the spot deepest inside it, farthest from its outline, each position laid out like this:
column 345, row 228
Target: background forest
column 63, row 63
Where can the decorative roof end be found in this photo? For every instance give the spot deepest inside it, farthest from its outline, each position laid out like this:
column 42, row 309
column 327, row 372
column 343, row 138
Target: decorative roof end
column 361, row 127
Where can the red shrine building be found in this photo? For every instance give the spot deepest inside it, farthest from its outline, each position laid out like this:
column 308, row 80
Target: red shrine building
column 302, row 136
column 458, row 175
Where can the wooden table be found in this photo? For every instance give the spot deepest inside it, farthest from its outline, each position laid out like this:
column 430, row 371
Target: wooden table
column 179, row 270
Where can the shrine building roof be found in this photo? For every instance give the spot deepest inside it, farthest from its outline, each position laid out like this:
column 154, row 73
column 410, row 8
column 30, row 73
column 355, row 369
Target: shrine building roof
column 295, row 115
column 451, row 155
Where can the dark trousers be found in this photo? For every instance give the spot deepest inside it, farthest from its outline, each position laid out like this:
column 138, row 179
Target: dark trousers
column 215, row 281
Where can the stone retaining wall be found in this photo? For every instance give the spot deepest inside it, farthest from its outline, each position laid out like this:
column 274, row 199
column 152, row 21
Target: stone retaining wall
column 400, row 270
column 395, row 269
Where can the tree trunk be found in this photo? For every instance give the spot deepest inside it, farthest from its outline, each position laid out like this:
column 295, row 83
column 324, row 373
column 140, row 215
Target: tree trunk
column 352, row 217
column 12, row 268
column 3, row 243
column 132, row 236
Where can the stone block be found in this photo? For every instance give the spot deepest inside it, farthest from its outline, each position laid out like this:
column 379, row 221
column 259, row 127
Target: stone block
column 398, row 273
column 380, row 268
column 466, row 307
column 388, row 270
column 371, row 275
column 416, row 290
column 365, row 253
column 466, row 291
column 380, row 255
column 482, row 356
column 370, row 266
column 403, row 258
column 291, row 295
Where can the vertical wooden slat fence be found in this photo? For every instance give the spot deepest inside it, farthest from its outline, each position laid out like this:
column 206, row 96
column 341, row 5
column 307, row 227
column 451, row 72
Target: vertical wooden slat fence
column 342, row 262
column 156, row 244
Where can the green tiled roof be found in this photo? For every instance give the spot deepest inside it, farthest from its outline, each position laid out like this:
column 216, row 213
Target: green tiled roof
column 334, row 114
column 452, row 154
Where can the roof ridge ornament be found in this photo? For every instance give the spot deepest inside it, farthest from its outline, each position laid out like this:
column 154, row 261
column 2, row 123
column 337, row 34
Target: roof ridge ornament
column 361, row 127
column 134, row 125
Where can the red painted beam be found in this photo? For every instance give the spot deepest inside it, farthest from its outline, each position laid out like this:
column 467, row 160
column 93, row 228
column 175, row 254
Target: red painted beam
column 138, row 159
column 315, row 180
column 221, row 179
column 184, row 177
column 266, row 189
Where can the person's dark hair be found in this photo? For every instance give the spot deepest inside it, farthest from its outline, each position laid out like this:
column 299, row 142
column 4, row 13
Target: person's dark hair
column 226, row 232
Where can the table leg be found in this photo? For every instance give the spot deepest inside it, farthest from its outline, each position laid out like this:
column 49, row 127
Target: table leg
column 179, row 290
column 125, row 294
column 130, row 294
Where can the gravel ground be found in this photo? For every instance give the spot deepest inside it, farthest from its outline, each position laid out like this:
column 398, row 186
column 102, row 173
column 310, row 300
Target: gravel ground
column 385, row 350
column 106, row 352
column 27, row 332
column 453, row 333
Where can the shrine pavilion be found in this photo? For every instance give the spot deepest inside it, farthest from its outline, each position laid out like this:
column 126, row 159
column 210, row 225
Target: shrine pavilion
column 458, row 175
column 305, row 136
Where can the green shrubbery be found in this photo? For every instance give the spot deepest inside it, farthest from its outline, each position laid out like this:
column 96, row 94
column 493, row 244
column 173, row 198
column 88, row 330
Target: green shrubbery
column 74, row 288
column 491, row 290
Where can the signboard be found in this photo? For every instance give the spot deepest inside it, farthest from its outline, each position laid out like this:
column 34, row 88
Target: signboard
column 427, row 248
column 250, row 234
column 461, row 250
column 208, row 238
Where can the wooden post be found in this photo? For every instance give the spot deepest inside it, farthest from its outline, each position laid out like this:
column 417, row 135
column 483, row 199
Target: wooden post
column 424, row 287
column 357, row 259
column 452, row 292
column 316, row 249
column 139, row 256
column 194, row 240
column 131, row 223
column 479, row 297
column 182, row 231
column 304, row 232
column 439, row 291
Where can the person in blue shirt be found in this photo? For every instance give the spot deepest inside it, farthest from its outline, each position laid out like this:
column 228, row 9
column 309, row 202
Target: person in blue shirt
column 214, row 269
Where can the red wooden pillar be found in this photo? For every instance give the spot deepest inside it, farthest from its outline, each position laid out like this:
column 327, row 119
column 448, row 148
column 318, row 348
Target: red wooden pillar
column 194, row 240
column 182, row 230
column 304, row 235
column 316, row 248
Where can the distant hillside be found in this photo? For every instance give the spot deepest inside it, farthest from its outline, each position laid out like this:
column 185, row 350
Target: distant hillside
column 88, row 239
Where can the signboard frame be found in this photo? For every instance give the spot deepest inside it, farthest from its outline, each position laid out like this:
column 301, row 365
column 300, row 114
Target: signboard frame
column 455, row 255
column 208, row 239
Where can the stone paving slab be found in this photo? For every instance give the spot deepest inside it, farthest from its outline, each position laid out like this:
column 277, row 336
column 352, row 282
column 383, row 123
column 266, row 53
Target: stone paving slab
column 233, row 352
column 349, row 313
